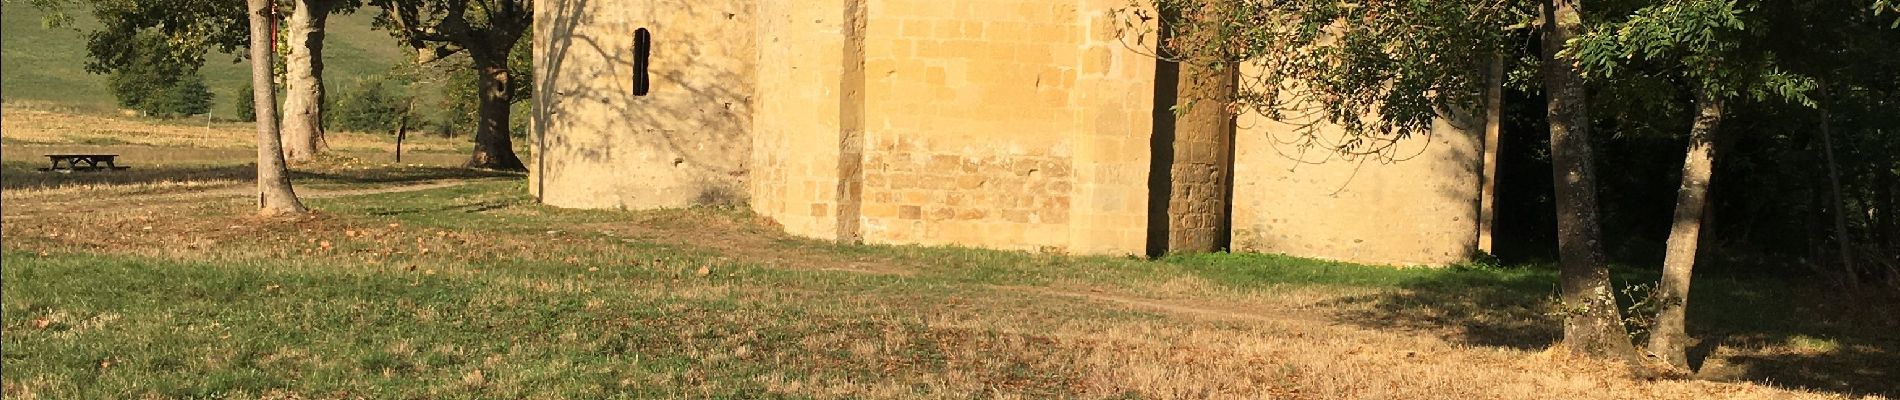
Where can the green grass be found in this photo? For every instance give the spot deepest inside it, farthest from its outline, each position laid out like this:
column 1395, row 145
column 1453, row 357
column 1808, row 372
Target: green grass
column 550, row 303
column 47, row 66
column 239, row 329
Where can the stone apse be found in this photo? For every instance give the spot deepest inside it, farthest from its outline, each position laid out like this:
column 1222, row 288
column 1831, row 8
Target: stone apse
column 1008, row 124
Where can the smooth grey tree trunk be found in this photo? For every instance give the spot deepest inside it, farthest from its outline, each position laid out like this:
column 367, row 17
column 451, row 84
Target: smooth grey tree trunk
column 1669, row 338
column 1592, row 323
column 303, row 80
column 274, row 194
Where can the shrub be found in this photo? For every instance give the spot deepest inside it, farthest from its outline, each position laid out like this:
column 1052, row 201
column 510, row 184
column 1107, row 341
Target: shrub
column 367, row 107
column 159, row 84
column 246, row 105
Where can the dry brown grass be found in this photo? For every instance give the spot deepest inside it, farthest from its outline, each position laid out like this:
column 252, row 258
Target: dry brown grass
column 25, row 125
column 1072, row 336
column 740, row 305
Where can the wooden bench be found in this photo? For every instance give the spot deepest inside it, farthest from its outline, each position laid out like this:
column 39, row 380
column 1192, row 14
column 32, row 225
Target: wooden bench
column 83, row 162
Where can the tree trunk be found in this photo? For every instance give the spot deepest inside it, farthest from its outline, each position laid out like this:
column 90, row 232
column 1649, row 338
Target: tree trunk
column 1889, row 232
column 1592, row 323
column 1669, row 338
column 402, row 129
column 274, row 194
column 1493, row 128
column 1841, row 236
column 494, row 147
column 303, row 80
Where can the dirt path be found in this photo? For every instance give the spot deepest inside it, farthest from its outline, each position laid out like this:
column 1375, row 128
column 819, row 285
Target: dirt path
column 425, row 185
column 1226, row 312
column 28, row 206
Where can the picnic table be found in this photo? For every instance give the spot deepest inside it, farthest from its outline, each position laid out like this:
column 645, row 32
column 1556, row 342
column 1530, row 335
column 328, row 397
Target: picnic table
column 83, row 162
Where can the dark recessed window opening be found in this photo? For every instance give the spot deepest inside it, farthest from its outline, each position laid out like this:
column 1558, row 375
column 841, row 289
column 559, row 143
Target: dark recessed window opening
column 642, row 47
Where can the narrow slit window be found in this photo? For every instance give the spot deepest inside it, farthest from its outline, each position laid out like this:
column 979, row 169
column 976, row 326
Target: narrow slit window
column 642, row 47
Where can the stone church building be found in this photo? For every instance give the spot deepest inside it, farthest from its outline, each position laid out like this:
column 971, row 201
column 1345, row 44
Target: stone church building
column 1008, row 124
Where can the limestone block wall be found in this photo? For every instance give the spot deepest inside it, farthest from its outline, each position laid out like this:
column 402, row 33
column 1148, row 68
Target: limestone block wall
column 933, row 122
column 970, row 118
column 1007, row 124
column 1114, row 89
column 810, row 113
column 1201, row 166
column 1420, row 209
column 686, row 142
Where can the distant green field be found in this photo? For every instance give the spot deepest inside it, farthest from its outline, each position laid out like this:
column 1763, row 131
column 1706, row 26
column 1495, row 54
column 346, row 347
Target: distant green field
column 47, row 66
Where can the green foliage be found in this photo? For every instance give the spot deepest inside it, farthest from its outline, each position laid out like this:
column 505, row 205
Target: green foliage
column 156, row 84
column 1882, row 7
column 189, row 29
column 246, row 105
column 453, row 103
column 368, row 107
column 48, row 65
column 1641, row 308
column 1705, row 41
column 1382, row 71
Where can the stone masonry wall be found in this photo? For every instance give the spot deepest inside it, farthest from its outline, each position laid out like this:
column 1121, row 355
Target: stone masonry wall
column 1115, row 89
column 1202, row 164
column 1419, row 209
column 804, row 173
column 1008, row 124
column 687, row 142
column 932, row 122
column 969, row 117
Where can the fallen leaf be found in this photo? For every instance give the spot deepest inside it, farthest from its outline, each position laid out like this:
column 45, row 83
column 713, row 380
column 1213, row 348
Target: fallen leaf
column 705, row 270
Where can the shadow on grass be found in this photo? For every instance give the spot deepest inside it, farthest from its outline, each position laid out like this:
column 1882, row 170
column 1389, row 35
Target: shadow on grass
column 1756, row 329
column 22, row 177
column 25, row 177
column 1796, row 335
column 1473, row 307
column 389, row 175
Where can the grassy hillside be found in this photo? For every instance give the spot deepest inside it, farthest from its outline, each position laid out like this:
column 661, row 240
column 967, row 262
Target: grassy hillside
column 47, row 66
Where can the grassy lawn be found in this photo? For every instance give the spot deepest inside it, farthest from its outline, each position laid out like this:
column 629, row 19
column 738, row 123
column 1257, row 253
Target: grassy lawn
column 436, row 282
column 474, row 291
column 46, row 66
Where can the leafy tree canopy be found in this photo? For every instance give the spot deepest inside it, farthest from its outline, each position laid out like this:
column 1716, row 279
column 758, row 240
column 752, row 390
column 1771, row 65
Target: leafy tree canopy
column 1382, row 70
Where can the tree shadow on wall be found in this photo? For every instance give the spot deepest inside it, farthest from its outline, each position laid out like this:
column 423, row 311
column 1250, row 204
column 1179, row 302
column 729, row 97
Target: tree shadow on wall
column 707, row 136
